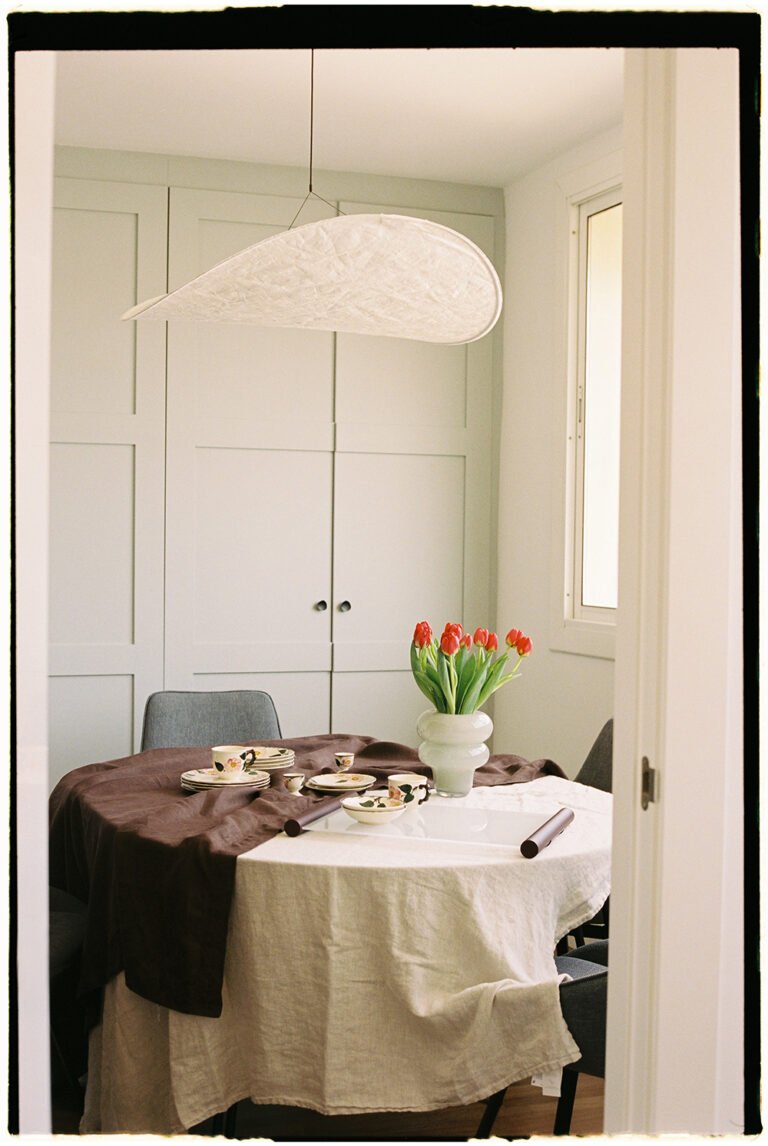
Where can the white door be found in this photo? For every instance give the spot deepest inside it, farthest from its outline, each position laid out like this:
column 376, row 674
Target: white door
column 249, row 482
column 107, row 451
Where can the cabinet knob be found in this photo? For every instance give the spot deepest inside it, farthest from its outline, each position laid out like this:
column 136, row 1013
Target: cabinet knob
column 344, row 607
column 321, row 606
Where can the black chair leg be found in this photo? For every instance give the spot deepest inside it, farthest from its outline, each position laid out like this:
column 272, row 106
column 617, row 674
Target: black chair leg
column 565, row 1103
column 230, row 1122
column 224, row 1124
column 492, row 1107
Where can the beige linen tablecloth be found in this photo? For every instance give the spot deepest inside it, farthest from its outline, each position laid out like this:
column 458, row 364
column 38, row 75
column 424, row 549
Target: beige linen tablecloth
column 369, row 974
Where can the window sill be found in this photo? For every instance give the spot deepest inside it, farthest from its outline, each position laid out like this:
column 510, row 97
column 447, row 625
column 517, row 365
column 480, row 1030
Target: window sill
column 585, row 638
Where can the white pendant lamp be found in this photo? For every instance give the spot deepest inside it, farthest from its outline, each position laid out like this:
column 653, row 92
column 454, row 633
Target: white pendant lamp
column 391, row 275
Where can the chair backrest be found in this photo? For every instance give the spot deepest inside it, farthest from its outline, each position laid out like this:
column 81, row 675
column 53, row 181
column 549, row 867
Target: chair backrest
column 584, row 1005
column 597, row 769
column 197, row 719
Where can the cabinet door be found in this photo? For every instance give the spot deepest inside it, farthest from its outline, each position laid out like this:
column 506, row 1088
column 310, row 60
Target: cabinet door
column 249, row 481
column 107, row 469
column 413, row 506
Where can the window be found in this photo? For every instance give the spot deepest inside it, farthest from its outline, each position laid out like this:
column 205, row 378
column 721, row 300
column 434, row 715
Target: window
column 587, row 416
column 596, row 512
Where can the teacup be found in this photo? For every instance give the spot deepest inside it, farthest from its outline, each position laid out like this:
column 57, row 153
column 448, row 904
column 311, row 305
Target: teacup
column 294, row 781
column 409, row 787
column 343, row 761
column 229, row 759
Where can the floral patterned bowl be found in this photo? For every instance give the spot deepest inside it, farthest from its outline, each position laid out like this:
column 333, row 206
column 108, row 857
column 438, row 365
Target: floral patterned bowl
column 373, row 807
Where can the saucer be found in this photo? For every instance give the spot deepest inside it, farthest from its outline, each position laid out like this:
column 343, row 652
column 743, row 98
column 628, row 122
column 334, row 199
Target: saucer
column 340, row 782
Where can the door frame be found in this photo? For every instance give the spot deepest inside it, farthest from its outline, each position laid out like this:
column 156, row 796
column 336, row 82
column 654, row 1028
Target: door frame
column 675, row 1027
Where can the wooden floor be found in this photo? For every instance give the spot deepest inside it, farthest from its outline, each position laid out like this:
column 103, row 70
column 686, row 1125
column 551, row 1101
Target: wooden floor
column 525, row 1113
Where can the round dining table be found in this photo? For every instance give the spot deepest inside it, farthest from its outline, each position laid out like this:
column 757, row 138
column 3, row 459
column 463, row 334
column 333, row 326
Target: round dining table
column 406, row 968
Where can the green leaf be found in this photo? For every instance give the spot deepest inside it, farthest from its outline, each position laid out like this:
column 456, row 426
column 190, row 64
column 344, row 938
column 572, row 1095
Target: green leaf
column 492, row 681
column 443, row 669
column 469, row 701
column 473, row 669
column 427, row 687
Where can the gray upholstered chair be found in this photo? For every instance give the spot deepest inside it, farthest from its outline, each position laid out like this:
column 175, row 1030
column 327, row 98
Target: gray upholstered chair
column 597, row 772
column 584, row 1001
column 597, row 769
column 197, row 719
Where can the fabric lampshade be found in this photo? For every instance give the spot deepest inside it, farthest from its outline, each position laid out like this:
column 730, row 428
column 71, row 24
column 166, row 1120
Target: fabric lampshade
column 391, row 275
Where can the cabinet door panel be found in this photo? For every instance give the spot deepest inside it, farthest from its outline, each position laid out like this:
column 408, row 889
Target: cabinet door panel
column 381, row 704
column 386, row 381
column 90, row 719
column 107, row 467
column 398, row 553
column 250, row 469
column 94, row 249
column 260, row 548
column 92, row 532
column 243, row 376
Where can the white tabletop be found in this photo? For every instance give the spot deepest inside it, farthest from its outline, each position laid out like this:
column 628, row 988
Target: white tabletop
column 371, row 972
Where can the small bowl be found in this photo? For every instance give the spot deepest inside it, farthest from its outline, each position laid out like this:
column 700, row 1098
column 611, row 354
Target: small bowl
column 373, row 808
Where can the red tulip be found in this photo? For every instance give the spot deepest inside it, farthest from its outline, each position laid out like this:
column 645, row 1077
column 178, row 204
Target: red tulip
column 481, row 637
column 455, row 628
column 524, row 646
column 449, row 643
column 422, row 635
column 492, row 643
column 512, row 637
column 466, row 641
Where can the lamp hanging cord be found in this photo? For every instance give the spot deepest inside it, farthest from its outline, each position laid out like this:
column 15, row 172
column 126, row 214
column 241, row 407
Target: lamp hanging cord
column 311, row 112
column 310, row 193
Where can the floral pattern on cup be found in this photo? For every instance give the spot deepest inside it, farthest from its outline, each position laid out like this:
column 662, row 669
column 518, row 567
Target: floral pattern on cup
column 228, row 759
column 294, row 781
column 410, row 788
column 343, row 761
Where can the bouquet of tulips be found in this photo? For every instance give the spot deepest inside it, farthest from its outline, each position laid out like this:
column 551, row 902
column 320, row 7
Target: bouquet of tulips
column 458, row 672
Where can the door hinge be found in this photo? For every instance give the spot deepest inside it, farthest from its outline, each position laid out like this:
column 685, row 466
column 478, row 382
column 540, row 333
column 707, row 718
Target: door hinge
column 647, row 784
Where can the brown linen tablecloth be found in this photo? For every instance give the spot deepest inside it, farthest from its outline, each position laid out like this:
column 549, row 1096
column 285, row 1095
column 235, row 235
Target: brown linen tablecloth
column 156, row 865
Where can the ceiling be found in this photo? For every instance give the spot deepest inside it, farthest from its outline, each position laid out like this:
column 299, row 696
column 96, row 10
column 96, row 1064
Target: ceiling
column 465, row 115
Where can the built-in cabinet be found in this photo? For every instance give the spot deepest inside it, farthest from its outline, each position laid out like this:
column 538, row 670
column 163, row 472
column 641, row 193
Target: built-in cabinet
column 240, row 507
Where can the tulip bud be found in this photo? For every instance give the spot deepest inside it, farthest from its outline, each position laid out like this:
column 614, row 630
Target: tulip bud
column 422, row 635
column 512, row 637
column 524, row 646
column 481, row 637
column 449, row 644
column 466, row 641
column 492, row 643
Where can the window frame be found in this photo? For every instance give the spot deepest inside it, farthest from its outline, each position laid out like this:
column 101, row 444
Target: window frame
column 584, row 211
column 587, row 631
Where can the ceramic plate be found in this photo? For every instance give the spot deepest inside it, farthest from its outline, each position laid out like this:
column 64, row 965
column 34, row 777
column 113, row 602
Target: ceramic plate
column 210, row 778
column 272, row 758
column 341, row 782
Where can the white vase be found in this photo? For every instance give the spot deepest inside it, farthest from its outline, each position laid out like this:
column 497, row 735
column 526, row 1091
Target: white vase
column 453, row 747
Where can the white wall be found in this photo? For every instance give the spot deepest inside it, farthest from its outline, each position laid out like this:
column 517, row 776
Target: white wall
column 33, row 187
column 562, row 699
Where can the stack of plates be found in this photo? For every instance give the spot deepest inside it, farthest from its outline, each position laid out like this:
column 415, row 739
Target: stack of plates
column 206, row 779
column 270, row 759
